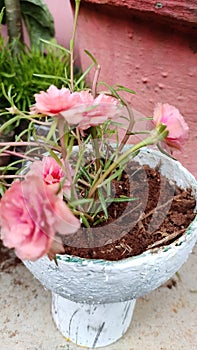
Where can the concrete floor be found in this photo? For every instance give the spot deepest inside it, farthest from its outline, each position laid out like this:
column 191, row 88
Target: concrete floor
column 166, row 319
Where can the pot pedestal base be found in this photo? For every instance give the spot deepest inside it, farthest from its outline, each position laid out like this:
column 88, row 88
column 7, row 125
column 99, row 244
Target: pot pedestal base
column 91, row 325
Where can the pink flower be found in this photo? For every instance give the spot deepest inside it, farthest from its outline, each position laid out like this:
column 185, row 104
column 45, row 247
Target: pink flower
column 86, row 97
column 78, row 113
column 175, row 123
column 79, row 109
column 92, row 112
column 51, row 172
column 30, row 216
column 54, row 100
column 103, row 108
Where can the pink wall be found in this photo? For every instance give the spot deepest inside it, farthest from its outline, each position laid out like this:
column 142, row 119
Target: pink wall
column 156, row 59
column 62, row 14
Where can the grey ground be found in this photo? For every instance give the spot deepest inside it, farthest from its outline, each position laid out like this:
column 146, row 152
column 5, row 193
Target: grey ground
column 166, row 319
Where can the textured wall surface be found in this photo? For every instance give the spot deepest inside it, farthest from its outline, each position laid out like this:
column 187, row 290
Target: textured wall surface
column 154, row 56
column 185, row 10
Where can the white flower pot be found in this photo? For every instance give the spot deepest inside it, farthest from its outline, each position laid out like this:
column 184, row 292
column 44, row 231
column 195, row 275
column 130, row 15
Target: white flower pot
column 93, row 300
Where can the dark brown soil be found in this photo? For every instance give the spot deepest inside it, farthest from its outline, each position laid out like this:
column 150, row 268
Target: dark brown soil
column 160, row 215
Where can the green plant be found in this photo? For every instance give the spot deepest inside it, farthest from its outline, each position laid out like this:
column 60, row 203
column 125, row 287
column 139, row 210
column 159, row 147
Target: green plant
column 20, row 73
column 27, row 72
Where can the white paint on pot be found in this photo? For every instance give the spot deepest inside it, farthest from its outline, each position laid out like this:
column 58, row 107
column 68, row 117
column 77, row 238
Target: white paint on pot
column 94, row 325
column 103, row 282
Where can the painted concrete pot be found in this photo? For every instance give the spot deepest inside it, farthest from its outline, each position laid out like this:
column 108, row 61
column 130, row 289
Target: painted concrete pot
column 93, row 300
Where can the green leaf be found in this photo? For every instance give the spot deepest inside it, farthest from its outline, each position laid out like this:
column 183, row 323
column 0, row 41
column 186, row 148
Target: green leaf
column 81, row 202
column 2, row 12
column 103, row 202
column 123, row 88
column 85, row 173
column 84, row 74
column 112, row 177
column 59, row 47
column 98, row 221
column 165, row 152
column 91, row 56
column 7, row 75
column 54, row 155
column 108, row 162
column 122, row 199
column 47, row 76
column 111, row 89
column 38, row 20
column 2, row 190
column 84, row 220
column 108, row 189
column 8, row 123
column 52, row 130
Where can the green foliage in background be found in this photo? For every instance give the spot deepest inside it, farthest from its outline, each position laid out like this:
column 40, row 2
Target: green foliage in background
column 30, row 70
column 37, row 17
column 19, row 72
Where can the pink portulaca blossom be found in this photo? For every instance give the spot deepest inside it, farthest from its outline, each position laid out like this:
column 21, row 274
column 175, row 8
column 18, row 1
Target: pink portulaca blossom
column 79, row 109
column 30, row 216
column 103, row 108
column 51, row 173
column 175, row 123
column 54, row 100
column 78, row 113
column 86, row 97
column 92, row 112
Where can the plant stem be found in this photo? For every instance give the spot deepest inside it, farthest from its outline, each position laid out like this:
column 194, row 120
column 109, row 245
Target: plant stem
column 72, row 43
column 17, row 154
column 12, row 176
column 130, row 126
column 61, row 129
column 138, row 133
column 94, row 84
column 96, row 147
column 61, row 125
column 14, row 20
column 82, row 213
column 26, row 143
